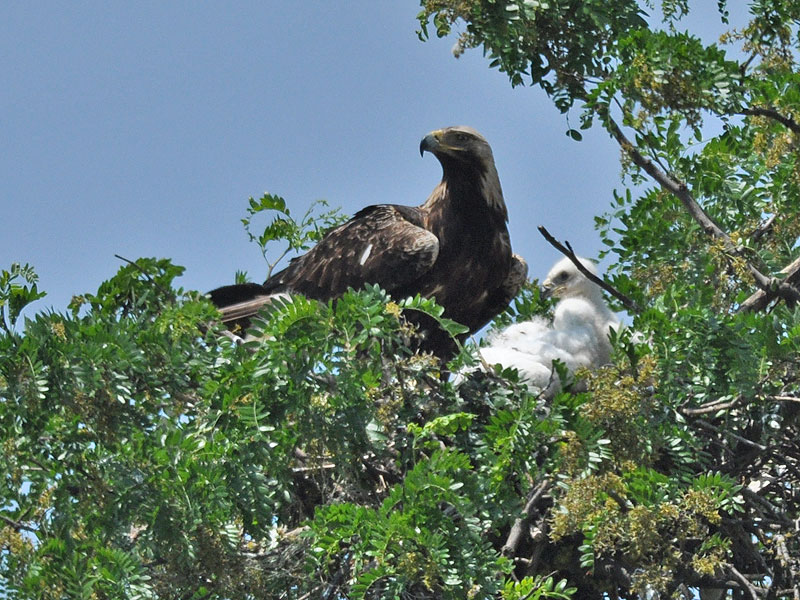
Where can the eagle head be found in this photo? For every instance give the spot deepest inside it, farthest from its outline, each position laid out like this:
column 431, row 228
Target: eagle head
column 465, row 155
column 460, row 143
column 565, row 280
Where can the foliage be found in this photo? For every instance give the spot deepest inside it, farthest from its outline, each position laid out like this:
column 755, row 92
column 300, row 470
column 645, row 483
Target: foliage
column 681, row 467
column 147, row 454
column 297, row 235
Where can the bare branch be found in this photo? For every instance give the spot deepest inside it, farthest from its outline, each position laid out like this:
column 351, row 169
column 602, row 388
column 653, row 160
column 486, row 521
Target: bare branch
column 745, row 582
column 569, row 253
column 521, row 525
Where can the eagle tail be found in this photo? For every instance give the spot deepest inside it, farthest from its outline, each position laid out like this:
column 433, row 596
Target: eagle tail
column 234, row 294
column 237, row 303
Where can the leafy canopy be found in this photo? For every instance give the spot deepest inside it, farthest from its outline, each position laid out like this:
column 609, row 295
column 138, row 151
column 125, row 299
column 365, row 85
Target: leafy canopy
column 147, row 455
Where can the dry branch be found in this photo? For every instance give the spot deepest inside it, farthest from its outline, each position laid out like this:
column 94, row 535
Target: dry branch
column 567, row 251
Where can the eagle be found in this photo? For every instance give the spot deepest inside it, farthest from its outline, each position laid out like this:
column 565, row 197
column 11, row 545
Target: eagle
column 578, row 335
column 454, row 248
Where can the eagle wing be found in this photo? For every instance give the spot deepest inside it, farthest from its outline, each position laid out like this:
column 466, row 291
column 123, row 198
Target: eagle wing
column 383, row 244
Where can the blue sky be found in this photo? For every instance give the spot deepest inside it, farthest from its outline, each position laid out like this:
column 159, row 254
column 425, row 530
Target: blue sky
column 141, row 129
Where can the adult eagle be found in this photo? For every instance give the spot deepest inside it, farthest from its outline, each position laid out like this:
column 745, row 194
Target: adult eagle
column 455, row 247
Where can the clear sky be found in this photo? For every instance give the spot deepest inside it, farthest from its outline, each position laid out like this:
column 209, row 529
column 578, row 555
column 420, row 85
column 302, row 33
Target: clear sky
column 141, row 129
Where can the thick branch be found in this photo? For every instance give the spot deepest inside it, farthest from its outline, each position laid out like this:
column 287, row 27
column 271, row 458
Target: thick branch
column 567, row 251
column 761, row 299
column 521, row 524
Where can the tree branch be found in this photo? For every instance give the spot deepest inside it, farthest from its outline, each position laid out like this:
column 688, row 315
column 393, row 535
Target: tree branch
column 764, row 228
column 17, row 526
column 714, row 406
column 782, row 398
column 771, row 113
column 745, row 582
column 520, row 525
column 675, row 187
column 706, row 425
column 770, row 285
column 567, row 251
column 761, row 299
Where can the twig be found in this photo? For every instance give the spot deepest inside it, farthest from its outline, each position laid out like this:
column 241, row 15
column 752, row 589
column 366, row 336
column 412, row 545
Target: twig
column 706, row 425
column 567, row 251
column 160, row 287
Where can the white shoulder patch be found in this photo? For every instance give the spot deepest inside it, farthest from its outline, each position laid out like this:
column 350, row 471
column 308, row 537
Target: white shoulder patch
column 365, row 255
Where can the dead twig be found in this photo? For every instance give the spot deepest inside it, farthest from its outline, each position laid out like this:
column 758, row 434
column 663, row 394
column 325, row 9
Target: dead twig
column 566, row 250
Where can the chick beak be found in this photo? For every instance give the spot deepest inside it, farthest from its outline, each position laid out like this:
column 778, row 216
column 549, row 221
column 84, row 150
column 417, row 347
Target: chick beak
column 547, row 289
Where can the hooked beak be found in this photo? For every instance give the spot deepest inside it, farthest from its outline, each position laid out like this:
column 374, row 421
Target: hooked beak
column 430, row 142
column 547, row 290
